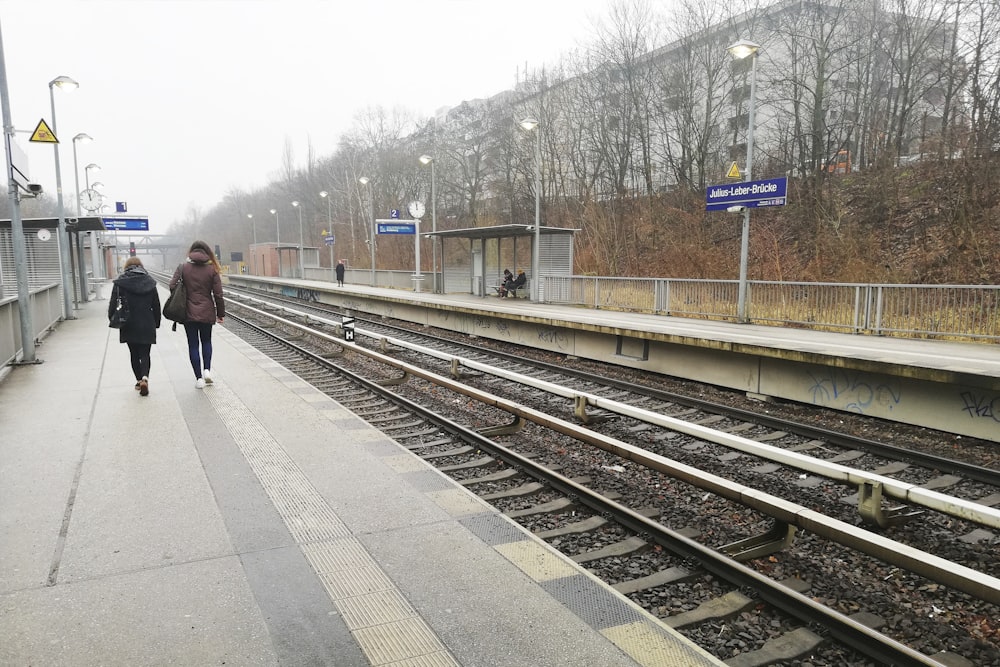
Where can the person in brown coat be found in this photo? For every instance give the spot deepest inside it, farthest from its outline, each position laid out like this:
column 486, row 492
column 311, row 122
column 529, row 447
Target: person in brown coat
column 205, row 306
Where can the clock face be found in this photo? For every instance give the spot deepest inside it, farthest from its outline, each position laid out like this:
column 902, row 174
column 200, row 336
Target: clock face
column 416, row 209
column 90, row 199
column 44, row 235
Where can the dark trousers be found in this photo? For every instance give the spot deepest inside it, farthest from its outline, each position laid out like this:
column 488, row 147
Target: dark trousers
column 199, row 335
column 139, row 353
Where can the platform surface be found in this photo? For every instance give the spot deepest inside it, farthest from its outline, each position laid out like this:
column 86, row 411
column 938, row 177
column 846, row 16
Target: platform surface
column 257, row 522
column 922, row 357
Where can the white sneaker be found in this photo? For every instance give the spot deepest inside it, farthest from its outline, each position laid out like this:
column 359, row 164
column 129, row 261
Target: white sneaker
column 207, row 376
column 199, row 383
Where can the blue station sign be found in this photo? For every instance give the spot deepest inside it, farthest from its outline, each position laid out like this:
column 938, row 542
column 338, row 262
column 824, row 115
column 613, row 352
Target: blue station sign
column 397, row 228
column 130, row 223
column 752, row 194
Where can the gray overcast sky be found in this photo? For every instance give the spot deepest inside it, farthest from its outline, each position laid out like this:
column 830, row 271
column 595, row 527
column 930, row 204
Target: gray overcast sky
column 186, row 99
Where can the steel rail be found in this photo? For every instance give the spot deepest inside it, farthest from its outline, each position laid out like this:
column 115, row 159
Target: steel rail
column 904, row 491
column 860, row 637
column 959, row 577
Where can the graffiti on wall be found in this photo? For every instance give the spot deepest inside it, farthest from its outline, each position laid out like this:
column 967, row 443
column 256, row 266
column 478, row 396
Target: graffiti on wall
column 854, row 391
column 981, row 406
column 553, row 338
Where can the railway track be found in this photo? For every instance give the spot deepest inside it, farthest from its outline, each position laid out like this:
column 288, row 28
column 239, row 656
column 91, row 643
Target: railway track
column 596, row 507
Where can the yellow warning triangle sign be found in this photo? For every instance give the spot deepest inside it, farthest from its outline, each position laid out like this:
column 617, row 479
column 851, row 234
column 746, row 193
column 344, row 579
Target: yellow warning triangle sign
column 734, row 171
column 43, row 134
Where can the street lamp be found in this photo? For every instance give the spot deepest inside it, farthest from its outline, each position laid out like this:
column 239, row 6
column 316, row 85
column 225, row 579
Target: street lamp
column 425, row 160
column 364, row 180
column 740, row 50
column 67, row 84
column 329, row 222
column 86, row 172
column 82, row 138
column 302, row 266
column 530, row 124
column 254, row 252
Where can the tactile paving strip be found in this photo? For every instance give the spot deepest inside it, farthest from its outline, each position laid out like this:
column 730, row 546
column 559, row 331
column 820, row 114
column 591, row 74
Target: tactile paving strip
column 385, row 625
column 365, row 600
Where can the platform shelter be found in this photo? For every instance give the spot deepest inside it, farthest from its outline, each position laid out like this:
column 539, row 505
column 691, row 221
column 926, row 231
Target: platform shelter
column 42, row 239
column 473, row 259
column 280, row 260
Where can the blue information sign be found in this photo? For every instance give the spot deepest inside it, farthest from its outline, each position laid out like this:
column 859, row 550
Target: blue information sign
column 397, row 228
column 133, row 223
column 752, row 194
column 329, row 240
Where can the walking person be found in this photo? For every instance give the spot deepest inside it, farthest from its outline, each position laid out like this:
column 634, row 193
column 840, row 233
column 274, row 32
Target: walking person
column 340, row 273
column 137, row 291
column 205, row 306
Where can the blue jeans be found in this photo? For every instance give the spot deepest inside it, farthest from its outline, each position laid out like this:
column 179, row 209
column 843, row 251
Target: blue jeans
column 199, row 335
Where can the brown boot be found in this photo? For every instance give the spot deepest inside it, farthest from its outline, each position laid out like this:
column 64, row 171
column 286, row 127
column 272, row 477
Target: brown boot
column 144, row 387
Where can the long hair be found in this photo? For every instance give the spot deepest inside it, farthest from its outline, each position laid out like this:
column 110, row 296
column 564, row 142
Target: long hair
column 201, row 245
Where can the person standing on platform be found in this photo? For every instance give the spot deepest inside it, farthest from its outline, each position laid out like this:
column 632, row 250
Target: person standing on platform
column 205, row 307
column 340, row 273
column 137, row 291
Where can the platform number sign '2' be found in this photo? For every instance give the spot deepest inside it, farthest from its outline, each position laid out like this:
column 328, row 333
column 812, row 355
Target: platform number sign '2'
column 348, row 325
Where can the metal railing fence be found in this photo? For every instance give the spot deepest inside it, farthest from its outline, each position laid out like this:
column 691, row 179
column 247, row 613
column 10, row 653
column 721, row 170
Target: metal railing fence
column 946, row 311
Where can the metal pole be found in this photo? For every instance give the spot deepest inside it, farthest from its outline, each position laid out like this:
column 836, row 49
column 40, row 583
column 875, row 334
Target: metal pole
column 277, row 238
column 741, row 306
column 253, row 253
column 302, row 265
column 434, row 228
column 371, row 216
column 64, row 257
column 329, row 226
column 16, row 228
column 537, row 250
column 416, row 251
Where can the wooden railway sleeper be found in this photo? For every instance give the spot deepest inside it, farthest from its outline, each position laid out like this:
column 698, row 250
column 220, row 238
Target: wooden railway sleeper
column 779, row 537
column 870, row 507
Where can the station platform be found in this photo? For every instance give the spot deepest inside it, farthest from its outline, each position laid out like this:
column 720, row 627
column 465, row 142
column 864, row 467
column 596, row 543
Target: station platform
column 257, row 522
column 944, row 385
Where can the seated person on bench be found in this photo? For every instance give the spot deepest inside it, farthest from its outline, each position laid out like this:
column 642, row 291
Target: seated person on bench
column 508, row 279
column 518, row 283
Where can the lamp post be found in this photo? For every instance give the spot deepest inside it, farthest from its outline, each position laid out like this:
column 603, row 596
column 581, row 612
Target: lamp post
column 329, row 224
column 302, row 265
column 277, row 238
column 427, row 159
column 254, row 252
column 82, row 138
column 740, row 50
column 364, row 180
column 67, row 84
column 86, row 173
column 530, row 124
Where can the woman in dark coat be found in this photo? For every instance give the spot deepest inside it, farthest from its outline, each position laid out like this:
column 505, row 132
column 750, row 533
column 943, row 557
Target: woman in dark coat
column 205, row 306
column 340, row 273
column 137, row 290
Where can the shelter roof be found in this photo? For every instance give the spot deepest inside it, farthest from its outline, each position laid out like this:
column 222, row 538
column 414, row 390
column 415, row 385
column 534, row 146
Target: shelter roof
column 89, row 223
column 497, row 232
